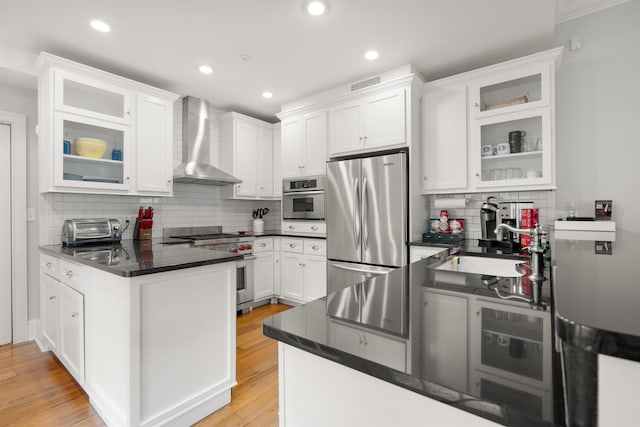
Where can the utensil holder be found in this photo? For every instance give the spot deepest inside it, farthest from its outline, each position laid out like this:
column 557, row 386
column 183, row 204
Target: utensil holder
column 258, row 225
column 143, row 229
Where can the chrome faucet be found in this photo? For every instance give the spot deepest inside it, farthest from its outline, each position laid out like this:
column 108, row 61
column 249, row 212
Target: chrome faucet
column 535, row 249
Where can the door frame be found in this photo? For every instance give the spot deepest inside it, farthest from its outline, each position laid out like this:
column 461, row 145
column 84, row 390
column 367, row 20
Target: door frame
column 19, row 287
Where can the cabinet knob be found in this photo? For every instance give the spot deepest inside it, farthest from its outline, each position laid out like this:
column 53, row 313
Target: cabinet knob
column 52, row 297
column 476, row 104
column 292, row 245
column 477, row 174
column 314, row 228
column 262, row 245
column 360, row 139
column 128, row 178
column 75, row 314
column 168, row 181
column 69, row 274
column 128, row 113
column 48, row 265
column 291, row 227
column 365, row 139
column 315, row 248
column 424, row 177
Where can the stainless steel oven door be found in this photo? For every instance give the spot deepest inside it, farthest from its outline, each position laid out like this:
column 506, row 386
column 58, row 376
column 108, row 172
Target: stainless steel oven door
column 303, row 205
column 244, row 280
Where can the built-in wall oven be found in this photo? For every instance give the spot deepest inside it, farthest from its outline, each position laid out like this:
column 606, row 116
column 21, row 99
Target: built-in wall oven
column 303, row 198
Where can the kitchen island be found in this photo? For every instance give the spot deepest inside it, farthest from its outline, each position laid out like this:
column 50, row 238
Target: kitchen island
column 148, row 330
column 421, row 346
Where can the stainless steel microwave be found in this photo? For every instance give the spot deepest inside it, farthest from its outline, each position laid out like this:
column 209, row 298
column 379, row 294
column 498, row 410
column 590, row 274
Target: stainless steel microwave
column 303, row 198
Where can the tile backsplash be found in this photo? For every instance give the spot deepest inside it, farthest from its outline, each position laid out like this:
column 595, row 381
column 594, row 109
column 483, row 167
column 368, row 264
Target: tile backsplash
column 543, row 200
column 191, row 205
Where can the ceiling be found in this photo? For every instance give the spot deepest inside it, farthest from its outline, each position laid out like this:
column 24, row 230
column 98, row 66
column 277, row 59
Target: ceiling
column 291, row 54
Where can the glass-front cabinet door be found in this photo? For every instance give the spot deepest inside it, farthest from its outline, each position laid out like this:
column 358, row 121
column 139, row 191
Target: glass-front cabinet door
column 90, row 154
column 513, row 149
column 508, row 92
column 82, row 95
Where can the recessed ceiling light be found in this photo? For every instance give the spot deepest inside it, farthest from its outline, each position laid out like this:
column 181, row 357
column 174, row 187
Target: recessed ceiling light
column 101, row 26
column 371, row 55
column 205, row 69
column 267, row 95
column 317, row 7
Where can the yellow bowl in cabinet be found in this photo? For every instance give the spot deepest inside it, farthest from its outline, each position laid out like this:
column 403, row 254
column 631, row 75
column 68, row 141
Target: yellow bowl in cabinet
column 90, row 147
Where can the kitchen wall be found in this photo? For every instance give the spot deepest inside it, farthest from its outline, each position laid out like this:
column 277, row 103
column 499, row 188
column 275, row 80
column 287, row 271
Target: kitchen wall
column 543, row 200
column 191, row 205
column 597, row 114
column 24, row 101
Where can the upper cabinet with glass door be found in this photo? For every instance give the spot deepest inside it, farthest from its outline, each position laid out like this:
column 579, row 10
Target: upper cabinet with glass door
column 101, row 133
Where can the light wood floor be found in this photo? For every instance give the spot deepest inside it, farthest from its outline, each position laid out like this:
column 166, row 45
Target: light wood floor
column 35, row 390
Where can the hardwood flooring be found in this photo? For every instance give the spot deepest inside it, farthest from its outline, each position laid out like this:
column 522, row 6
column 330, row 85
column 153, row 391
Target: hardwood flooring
column 35, row 390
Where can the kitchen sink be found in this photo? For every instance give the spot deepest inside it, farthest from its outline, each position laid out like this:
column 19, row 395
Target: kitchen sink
column 484, row 265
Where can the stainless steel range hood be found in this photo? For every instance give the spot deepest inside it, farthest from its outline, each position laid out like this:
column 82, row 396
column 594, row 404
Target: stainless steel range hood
column 195, row 167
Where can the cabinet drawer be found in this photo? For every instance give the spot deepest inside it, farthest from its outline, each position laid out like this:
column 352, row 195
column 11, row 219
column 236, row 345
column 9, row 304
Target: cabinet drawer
column 72, row 274
column 292, row 245
column 263, row 245
column 315, row 247
column 305, row 227
column 49, row 264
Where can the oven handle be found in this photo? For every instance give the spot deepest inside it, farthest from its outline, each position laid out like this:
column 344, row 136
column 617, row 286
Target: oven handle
column 304, row 193
column 249, row 257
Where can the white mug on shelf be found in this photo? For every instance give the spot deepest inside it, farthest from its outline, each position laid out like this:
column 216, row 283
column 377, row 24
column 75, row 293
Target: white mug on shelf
column 503, row 148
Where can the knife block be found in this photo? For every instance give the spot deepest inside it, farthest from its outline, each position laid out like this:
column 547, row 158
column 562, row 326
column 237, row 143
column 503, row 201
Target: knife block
column 143, row 229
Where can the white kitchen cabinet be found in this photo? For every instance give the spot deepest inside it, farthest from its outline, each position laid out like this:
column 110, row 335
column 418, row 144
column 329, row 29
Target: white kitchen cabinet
column 71, row 351
column 246, row 152
column 303, row 269
column 517, row 95
column 292, row 278
column 304, row 145
column 277, row 161
column 62, row 312
column 374, row 122
column 445, row 352
column 154, row 145
column 277, row 268
column 305, row 227
column 263, row 268
column 416, row 253
column 136, row 120
column 49, row 310
column 444, row 154
column 387, row 351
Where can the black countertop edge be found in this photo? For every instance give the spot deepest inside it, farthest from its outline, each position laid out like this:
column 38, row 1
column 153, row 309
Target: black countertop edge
column 54, row 250
column 459, row 400
column 598, row 341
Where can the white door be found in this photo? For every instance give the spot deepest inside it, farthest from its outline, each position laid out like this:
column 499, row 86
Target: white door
column 384, row 120
column 292, row 146
column 346, row 134
column 246, row 158
column 263, row 274
column 154, row 145
column 264, row 163
column 292, row 276
column 72, row 331
column 5, row 245
column 315, row 277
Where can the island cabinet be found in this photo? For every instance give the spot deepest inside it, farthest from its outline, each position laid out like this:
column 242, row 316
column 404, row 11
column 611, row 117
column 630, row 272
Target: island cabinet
column 62, row 312
column 304, row 144
column 247, row 152
column 469, row 120
column 156, row 349
column 134, row 120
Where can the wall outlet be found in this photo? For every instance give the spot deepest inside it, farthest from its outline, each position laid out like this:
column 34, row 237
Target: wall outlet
column 604, row 248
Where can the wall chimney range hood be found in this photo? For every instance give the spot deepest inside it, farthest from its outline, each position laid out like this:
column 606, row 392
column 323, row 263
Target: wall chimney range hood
column 195, row 167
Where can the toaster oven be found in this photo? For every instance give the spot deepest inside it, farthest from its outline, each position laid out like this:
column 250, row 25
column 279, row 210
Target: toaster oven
column 91, row 231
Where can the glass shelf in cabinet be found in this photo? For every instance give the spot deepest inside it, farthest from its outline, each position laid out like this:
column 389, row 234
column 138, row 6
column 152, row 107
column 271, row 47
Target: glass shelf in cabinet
column 512, row 155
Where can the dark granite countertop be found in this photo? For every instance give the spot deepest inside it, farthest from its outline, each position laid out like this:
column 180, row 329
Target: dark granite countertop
column 597, row 295
column 139, row 257
column 448, row 335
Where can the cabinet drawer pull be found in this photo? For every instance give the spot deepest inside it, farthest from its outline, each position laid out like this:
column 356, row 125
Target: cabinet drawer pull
column 262, row 245
column 75, row 314
column 315, row 248
column 291, row 227
column 314, row 228
column 52, row 297
column 292, row 245
column 69, row 274
column 48, row 265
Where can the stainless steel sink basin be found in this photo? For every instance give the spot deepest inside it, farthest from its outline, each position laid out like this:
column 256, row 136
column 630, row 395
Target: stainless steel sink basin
column 483, row 265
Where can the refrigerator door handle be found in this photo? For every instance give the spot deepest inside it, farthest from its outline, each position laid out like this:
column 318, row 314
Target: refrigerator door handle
column 365, row 215
column 360, row 270
column 356, row 209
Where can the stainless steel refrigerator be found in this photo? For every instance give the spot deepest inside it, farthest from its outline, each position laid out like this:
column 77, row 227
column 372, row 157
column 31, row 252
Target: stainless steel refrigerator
column 366, row 215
